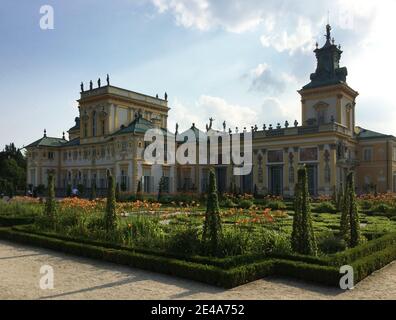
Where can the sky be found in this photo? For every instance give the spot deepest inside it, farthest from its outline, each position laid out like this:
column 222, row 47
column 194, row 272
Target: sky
column 239, row 61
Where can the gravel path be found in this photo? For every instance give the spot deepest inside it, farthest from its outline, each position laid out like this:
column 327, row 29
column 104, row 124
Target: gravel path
column 79, row 278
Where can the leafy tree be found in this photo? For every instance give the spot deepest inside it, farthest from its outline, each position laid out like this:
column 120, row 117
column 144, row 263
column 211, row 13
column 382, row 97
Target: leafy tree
column 50, row 201
column 350, row 224
column 12, row 169
column 110, row 218
column 212, row 225
column 303, row 237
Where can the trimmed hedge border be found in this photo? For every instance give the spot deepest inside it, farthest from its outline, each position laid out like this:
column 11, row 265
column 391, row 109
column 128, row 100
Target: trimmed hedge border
column 227, row 273
column 9, row 221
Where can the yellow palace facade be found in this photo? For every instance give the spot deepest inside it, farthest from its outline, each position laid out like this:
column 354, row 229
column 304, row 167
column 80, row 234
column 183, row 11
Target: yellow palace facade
column 108, row 138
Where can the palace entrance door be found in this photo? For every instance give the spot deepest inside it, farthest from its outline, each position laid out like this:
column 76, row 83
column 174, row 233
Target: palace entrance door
column 312, row 173
column 276, row 180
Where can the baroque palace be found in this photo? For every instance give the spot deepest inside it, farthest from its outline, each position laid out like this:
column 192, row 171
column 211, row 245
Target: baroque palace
column 108, row 138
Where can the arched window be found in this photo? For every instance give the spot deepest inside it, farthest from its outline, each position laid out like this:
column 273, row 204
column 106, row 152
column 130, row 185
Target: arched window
column 94, row 124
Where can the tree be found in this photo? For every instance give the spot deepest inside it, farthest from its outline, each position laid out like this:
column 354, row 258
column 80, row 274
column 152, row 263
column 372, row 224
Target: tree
column 303, row 237
column 350, row 222
column 340, row 198
column 93, row 191
column 13, row 168
column 161, row 188
column 117, row 192
column 68, row 190
column 296, row 233
column 50, row 201
column 212, row 225
column 139, row 195
column 110, row 218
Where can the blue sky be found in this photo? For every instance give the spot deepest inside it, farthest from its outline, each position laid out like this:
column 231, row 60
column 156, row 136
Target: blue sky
column 234, row 60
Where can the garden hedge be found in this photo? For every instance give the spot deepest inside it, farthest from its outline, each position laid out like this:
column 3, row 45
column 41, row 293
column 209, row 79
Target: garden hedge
column 228, row 272
column 9, row 221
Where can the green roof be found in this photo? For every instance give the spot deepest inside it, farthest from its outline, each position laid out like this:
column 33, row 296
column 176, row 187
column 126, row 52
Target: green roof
column 48, row 142
column 198, row 133
column 139, row 125
column 72, row 143
column 368, row 134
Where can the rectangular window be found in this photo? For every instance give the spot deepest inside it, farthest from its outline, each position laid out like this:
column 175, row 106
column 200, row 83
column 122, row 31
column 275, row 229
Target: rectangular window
column 124, row 146
column 394, row 182
column 64, row 156
column 275, row 156
column 308, row 154
column 148, row 184
column 51, row 155
column 368, row 154
column 394, row 154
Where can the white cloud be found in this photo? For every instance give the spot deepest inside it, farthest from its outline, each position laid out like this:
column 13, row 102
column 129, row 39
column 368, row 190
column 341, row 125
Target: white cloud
column 301, row 39
column 204, row 15
column 270, row 111
column 287, row 26
column 264, row 79
column 363, row 27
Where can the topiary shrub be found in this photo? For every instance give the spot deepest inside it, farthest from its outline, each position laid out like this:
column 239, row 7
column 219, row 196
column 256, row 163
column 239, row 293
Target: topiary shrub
column 303, row 237
column 117, row 192
column 212, row 225
column 93, row 191
column 349, row 223
column 139, row 195
column 110, row 217
column 50, row 201
column 68, row 191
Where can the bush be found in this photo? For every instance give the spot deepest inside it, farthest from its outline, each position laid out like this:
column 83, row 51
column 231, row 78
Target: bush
column 325, row 207
column 332, row 245
column 67, row 219
column 228, row 203
column 234, row 241
column 276, row 205
column 270, row 242
column 382, row 208
column 245, row 204
column 143, row 230
column 184, row 241
column 43, row 222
